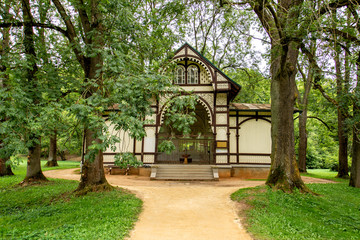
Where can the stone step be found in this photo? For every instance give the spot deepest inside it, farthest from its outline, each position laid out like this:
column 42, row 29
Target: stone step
column 183, row 172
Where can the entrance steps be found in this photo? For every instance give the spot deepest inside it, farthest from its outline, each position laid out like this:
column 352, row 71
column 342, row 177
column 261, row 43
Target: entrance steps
column 184, row 172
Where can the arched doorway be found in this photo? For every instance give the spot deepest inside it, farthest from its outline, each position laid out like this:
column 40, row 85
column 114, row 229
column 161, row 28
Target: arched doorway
column 198, row 144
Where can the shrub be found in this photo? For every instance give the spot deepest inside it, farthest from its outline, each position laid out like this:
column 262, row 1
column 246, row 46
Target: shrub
column 125, row 160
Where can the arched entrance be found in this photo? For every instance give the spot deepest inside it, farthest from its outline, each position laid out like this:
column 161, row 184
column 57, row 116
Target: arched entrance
column 198, row 144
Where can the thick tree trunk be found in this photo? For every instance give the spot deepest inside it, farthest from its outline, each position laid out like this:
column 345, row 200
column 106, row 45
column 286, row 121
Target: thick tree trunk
column 93, row 177
column 33, row 171
column 343, row 171
column 284, row 173
column 302, row 140
column 355, row 166
column 5, row 169
column 52, row 160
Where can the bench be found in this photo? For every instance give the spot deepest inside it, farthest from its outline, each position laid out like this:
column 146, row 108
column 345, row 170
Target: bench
column 110, row 166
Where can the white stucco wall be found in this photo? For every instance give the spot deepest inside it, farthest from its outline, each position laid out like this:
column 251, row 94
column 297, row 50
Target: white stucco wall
column 255, row 137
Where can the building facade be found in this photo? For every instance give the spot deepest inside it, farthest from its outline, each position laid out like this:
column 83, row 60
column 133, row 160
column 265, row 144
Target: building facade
column 232, row 135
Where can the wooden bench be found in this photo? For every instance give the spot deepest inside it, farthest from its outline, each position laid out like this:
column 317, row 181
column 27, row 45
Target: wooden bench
column 110, row 166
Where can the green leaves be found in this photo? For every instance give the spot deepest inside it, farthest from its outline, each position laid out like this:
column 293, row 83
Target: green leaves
column 166, row 146
column 125, row 160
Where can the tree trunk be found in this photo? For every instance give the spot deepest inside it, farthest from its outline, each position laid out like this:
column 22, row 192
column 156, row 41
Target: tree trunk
column 343, row 171
column 93, row 177
column 302, row 140
column 33, row 171
column 284, row 173
column 52, row 160
column 355, row 166
column 5, row 169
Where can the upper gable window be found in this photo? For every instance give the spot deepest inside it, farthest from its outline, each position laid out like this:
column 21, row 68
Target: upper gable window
column 180, row 75
column 192, row 75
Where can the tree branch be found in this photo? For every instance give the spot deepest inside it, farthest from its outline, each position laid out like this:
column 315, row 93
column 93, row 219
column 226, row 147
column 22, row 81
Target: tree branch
column 343, row 34
column 319, row 119
column 34, row 24
column 318, row 74
column 337, row 4
column 71, row 32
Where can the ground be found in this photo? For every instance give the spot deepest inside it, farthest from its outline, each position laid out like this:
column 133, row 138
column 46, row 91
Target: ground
column 183, row 210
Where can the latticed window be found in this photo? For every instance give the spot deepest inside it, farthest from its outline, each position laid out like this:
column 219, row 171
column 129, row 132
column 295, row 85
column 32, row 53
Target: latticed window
column 180, row 75
column 193, row 74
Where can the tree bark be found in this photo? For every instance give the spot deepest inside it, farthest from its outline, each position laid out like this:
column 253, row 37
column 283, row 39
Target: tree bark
column 52, row 159
column 93, row 177
column 284, row 173
column 5, row 169
column 302, row 140
column 33, row 170
column 355, row 165
column 343, row 171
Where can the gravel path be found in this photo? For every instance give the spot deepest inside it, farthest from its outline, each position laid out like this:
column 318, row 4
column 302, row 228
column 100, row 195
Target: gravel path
column 182, row 210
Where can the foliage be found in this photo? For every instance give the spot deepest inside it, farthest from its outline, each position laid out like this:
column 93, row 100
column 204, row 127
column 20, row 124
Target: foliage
column 51, row 211
column 166, row 146
column 277, row 215
column 255, row 88
column 181, row 113
column 125, row 160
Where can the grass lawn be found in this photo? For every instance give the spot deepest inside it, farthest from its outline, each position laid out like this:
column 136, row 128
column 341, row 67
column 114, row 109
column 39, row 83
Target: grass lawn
column 335, row 214
column 324, row 174
column 50, row 211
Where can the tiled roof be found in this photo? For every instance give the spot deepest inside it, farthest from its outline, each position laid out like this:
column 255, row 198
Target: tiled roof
column 250, row 106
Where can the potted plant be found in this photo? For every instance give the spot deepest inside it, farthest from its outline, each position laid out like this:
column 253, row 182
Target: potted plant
column 127, row 161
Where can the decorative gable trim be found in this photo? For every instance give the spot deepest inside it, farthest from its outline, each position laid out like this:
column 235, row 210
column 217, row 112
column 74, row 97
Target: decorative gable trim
column 221, row 82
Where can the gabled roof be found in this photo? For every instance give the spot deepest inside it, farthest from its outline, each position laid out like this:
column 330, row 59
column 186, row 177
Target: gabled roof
column 235, row 87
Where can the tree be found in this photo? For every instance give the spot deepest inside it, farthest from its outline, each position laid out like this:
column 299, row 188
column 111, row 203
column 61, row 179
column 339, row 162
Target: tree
column 283, row 24
column 303, row 103
column 355, row 166
column 33, row 172
column 5, row 167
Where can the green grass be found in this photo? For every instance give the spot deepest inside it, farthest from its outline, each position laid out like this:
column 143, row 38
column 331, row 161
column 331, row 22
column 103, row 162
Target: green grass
column 324, row 174
column 277, row 215
column 51, row 211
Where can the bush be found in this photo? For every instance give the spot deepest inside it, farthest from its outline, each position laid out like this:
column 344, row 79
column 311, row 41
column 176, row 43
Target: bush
column 125, row 160
column 313, row 161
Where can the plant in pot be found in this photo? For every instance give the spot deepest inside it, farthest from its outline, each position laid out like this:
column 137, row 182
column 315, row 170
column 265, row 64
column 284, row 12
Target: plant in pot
column 127, row 161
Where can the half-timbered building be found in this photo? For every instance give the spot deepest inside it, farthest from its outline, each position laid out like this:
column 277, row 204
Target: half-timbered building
column 233, row 138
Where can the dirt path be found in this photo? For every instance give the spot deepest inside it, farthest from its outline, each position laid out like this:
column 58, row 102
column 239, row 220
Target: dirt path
column 182, row 210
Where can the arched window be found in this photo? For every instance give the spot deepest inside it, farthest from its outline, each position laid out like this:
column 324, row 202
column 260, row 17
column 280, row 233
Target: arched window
column 192, row 75
column 180, row 75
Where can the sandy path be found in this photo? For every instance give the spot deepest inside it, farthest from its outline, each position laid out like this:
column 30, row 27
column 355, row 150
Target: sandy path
column 182, row 210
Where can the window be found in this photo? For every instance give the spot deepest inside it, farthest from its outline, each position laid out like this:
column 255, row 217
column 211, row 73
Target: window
column 180, row 75
column 192, row 75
